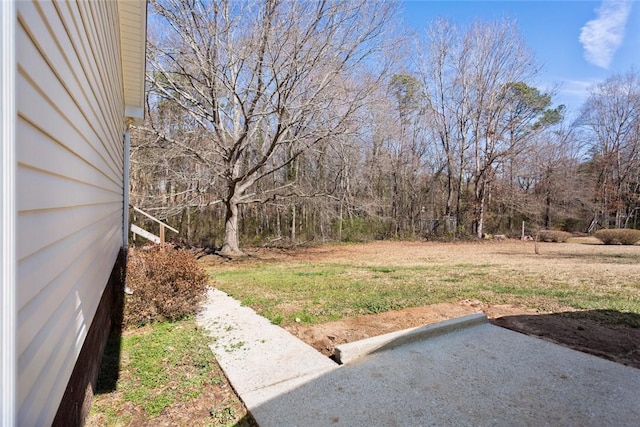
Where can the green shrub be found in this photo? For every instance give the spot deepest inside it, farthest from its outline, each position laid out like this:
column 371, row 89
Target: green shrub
column 618, row 236
column 555, row 236
column 167, row 285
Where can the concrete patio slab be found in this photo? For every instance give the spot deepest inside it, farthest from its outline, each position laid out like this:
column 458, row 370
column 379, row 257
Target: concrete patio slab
column 349, row 352
column 479, row 375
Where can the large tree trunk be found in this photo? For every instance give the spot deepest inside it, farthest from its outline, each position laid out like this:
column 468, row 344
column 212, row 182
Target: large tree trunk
column 480, row 219
column 479, row 208
column 293, row 224
column 450, row 191
column 230, row 246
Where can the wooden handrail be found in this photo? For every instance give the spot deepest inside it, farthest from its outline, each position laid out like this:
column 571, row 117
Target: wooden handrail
column 154, row 219
column 162, row 224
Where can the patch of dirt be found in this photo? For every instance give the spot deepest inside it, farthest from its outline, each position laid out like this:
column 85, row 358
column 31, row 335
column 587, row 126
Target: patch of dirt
column 326, row 336
column 619, row 343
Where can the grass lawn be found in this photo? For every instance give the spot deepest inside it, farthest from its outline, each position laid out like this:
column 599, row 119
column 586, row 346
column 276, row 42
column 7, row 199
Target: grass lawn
column 164, row 374
column 315, row 285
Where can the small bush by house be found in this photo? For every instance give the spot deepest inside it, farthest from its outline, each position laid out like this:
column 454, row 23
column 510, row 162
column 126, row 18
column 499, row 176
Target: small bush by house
column 166, row 285
column 555, row 236
column 618, row 236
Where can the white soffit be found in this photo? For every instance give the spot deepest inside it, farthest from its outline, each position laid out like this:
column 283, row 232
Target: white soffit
column 133, row 37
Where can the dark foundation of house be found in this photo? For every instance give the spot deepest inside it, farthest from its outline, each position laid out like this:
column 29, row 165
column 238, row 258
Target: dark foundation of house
column 76, row 402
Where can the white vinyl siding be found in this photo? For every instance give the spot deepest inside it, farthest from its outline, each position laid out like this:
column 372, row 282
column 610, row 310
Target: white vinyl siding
column 69, row 149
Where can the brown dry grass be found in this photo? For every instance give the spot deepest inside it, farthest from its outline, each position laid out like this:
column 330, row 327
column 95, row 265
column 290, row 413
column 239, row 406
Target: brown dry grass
column 580, row 260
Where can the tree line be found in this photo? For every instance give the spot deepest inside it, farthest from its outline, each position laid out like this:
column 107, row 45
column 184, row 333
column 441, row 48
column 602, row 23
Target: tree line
column 275, row 122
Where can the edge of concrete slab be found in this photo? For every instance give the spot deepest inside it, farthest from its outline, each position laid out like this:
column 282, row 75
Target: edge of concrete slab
column 349, row 352
column 253, row 352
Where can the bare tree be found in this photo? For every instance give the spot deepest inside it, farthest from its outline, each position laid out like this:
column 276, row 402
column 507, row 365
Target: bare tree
column 611, row 116
column 446, row 107
column 262, row 81
column 479, row 106
column 545, row 185
column 561, row 188
column 407, row 149
column 498, row 59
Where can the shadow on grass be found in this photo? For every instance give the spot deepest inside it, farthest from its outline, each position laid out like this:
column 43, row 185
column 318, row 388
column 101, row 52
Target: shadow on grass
column 609, row 334
column 110, row 366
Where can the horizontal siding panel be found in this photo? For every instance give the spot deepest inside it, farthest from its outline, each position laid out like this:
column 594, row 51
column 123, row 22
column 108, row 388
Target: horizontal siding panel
column 52, row 355
column 37, row 311
column 55, row 55
column 64, row 364
column 52, row 260
column 74, row 135
column 38, row 233
column 44, row 100
column 113, row 60
column 98, row 90
column 56, row 159
column 31, row 410
column 85, row 276
column 51, row 191
column 107, row 85
column 98, row 66
column 103, row 78
column 62, row 56
column 51, row 62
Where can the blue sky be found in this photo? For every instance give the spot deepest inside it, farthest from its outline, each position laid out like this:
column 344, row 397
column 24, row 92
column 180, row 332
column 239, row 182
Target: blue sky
column 578, row 43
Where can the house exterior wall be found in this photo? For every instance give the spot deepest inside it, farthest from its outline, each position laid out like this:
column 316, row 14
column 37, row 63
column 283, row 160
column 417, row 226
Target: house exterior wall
column 69, row 149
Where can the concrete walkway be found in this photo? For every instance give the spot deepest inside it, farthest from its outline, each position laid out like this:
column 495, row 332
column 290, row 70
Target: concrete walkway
column 464, row 372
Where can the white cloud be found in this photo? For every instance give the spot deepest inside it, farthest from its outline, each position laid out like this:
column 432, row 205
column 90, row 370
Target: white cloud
column 601, row 37
column 571, row 93
column 579, row 88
